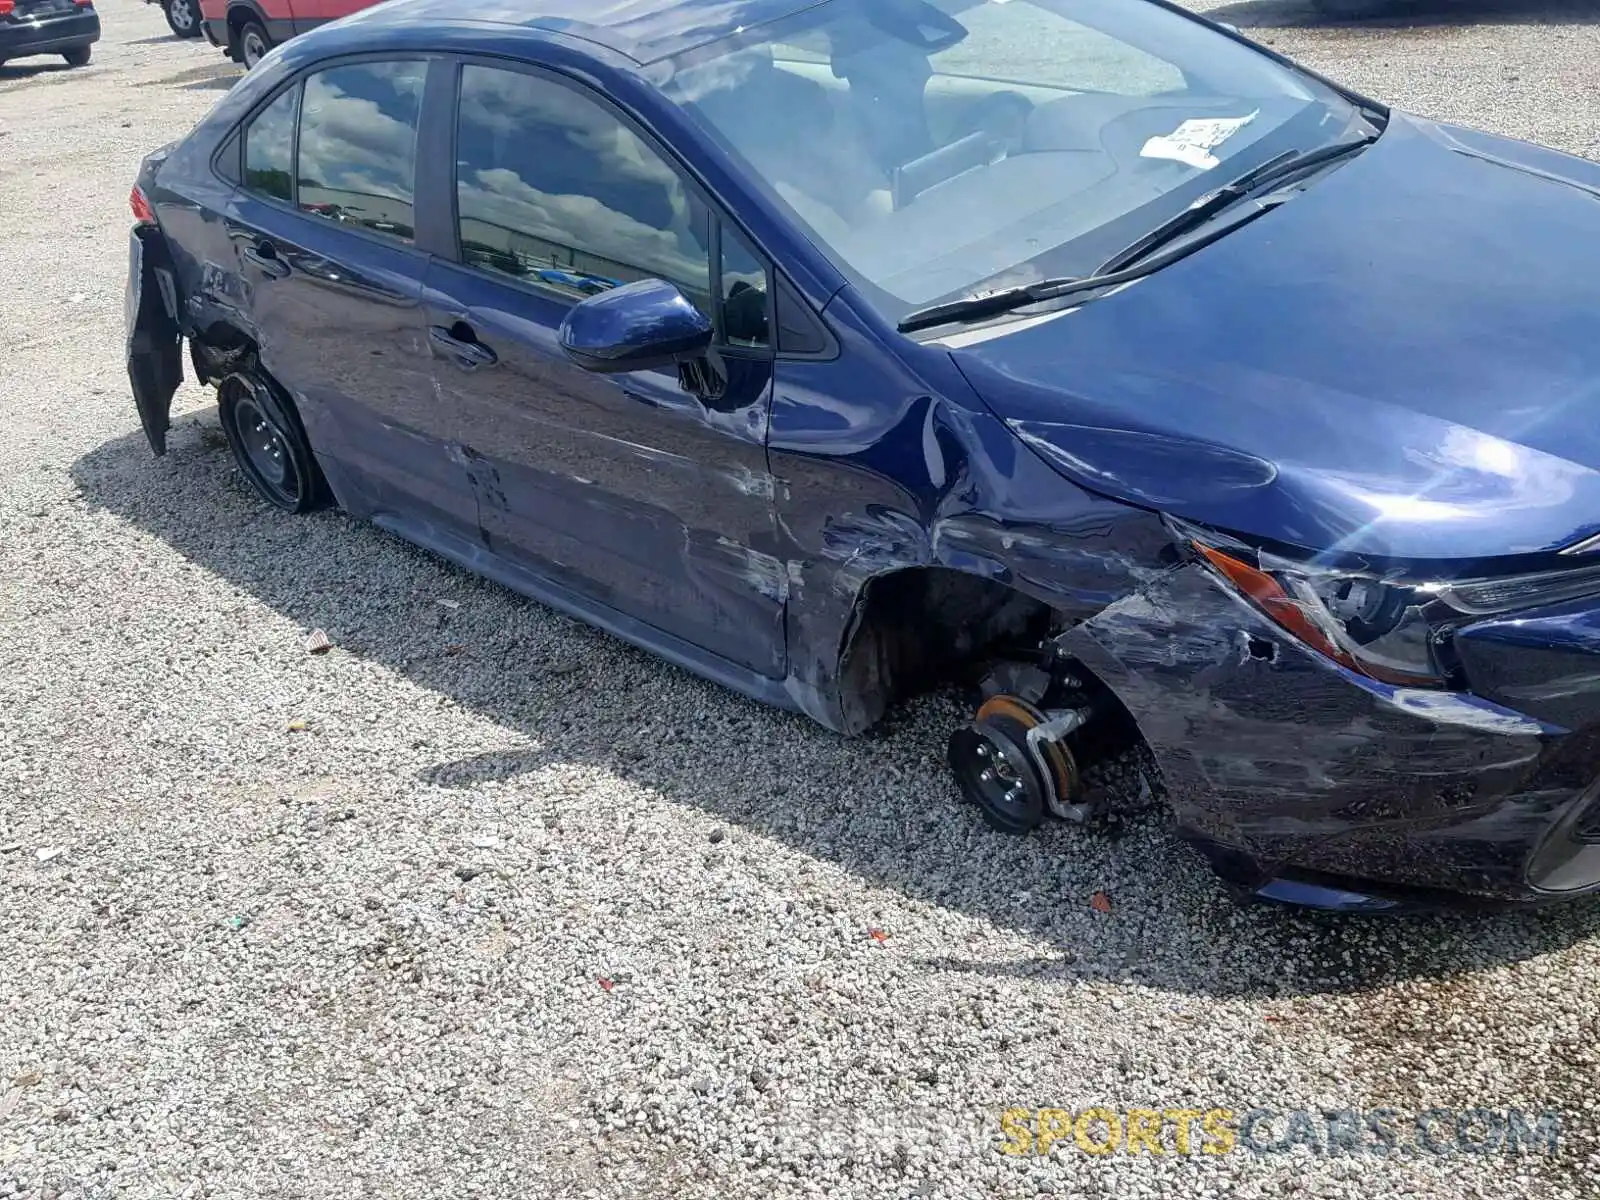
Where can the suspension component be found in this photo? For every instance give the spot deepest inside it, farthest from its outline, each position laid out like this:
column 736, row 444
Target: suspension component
column 1013, row 761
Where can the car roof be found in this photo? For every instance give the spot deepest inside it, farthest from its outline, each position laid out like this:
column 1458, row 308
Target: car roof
column 643, row 30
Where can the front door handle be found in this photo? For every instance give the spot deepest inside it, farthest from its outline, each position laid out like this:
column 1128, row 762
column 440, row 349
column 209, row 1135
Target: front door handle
column 265, row 259
column 469, row 353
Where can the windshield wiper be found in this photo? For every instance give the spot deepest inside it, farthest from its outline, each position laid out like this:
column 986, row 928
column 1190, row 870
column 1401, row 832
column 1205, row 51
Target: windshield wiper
column 1119, row 268
column 1274, row 170
column 988, row 304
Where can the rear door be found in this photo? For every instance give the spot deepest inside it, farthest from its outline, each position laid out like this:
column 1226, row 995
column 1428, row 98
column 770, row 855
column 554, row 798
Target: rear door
column 648, row 499
column 324, row 231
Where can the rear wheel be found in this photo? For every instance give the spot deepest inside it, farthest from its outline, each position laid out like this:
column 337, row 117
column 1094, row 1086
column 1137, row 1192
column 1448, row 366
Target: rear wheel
column 78, row 56
column 183, row 17
column 253, row 43
column 268, row 443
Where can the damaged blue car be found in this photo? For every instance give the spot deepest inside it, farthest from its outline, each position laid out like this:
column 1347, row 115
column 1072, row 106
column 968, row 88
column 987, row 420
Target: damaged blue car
column 1078, row 351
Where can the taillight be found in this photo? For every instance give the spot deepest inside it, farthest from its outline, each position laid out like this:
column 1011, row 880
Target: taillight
column 84, row 3
column 7, row 7
column 143, row 214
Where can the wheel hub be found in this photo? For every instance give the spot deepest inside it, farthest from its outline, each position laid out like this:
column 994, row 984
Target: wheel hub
column 990, row 760
column 263, row 447
column 1014, row 779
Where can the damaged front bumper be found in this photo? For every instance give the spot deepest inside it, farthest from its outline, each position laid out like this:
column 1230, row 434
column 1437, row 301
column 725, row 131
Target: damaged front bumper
column 1305, row 782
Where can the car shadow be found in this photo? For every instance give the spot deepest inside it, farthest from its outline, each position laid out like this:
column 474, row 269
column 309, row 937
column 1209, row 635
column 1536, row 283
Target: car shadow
column 220, row 83
column 28, row 68
column 1408, row 14
column 880, row 807
column 215, row 76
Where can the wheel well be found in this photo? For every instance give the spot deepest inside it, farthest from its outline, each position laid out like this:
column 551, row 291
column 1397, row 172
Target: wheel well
column 238, row 14
column 221, row 349
column 926, row 627
column 217, row 350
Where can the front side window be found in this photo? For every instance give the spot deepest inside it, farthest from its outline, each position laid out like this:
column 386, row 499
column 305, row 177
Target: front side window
column 269, row 148
column 932, row 148
column 358, row 145
column 554, row 190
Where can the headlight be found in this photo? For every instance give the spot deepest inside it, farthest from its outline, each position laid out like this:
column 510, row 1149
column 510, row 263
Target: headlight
column 1360, row 621
column 1382, row 626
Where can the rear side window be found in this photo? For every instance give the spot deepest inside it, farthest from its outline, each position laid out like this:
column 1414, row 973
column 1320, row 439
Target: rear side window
column 269, row 148
column 553, row 189
column 357, row 150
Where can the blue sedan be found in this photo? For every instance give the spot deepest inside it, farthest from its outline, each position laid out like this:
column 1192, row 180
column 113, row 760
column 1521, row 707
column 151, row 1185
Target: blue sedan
column 1080, row 353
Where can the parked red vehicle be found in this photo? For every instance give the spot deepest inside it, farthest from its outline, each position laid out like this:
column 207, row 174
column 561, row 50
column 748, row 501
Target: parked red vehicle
column 247, row 29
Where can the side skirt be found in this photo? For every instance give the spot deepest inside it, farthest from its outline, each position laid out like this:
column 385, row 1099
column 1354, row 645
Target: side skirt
column 480, row 560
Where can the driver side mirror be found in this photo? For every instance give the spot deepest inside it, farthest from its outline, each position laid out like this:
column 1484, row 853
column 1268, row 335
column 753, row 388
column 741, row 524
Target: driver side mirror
column 639, row 326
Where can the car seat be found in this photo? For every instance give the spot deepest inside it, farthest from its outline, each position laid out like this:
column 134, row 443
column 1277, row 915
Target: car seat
column 787, row 127
column 887, row 99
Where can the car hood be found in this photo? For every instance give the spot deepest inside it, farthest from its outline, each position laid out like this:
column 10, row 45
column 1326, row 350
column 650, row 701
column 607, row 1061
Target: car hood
column 1402, row 362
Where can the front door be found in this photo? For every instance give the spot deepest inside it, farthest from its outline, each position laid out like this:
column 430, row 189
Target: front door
column 643, row 497
column 323, row 230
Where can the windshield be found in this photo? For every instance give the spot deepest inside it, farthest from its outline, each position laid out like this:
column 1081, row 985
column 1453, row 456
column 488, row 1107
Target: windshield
column 935, row 147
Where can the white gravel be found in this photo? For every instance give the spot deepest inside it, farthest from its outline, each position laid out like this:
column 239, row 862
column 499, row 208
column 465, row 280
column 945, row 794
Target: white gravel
column 275, row 924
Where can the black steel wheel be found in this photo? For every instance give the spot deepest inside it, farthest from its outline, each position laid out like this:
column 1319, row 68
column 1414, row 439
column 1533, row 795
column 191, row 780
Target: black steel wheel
column 268, row 443
column 994, row 770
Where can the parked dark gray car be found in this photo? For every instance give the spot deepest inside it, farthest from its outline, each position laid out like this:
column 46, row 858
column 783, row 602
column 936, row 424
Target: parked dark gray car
column 33, row 27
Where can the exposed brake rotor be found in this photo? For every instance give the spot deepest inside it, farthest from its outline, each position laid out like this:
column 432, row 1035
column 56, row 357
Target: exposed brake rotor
column 1012, row 762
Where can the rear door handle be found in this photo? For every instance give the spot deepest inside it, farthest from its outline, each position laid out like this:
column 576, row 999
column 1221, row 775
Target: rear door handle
column 469, row 353
column 265, row 259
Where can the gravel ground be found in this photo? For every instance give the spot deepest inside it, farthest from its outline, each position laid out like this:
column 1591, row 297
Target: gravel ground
column 482, row 902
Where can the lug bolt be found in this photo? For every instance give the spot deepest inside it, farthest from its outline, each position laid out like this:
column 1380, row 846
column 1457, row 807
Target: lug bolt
column 983, row 750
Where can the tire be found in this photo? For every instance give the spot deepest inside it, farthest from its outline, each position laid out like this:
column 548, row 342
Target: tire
column 253, row 42
column 1353, row 10
column 78, row 56
column 183, row 17
column 268, row 442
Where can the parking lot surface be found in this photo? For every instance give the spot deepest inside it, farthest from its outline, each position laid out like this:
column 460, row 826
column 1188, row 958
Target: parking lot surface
column 482, row 902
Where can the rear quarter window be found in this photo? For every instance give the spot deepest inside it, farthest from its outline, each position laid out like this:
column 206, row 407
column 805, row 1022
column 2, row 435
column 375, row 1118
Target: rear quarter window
column 269, row 148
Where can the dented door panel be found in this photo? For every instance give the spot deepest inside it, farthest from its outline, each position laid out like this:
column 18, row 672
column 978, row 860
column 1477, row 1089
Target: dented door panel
column 625, row 489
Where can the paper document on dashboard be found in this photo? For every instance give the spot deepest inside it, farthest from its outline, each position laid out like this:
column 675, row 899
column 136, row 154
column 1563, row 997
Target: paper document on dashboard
column 1192, row 142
